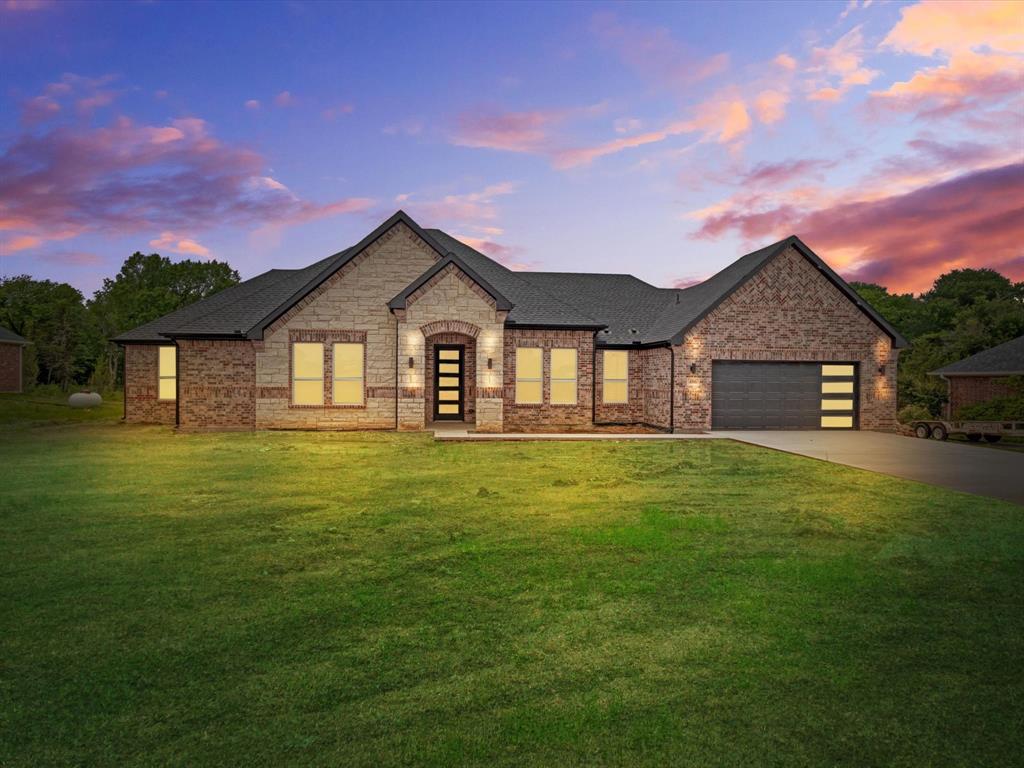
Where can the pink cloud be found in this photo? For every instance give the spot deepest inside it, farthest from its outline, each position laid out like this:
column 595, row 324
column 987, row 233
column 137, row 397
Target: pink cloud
column 339, row 110
column 461, row 209
column 653, row 52
column 905, row 240
column 770, row 106
column 125, row 177
column 284, row 99
column 72, row 258
column 837, row 68
column 723, row 119
column 784, row 172
column 507, row 255
column 27, row 5
column 508, row 131
column 785, row 61
column 39, row 109
column 687, row 282
column 20, row 243
column 253, row 104
column 168, row 241
column 934, row 26
column 91, row 103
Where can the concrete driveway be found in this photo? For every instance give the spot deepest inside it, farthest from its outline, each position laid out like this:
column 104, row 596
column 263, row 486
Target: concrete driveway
column 973, row 469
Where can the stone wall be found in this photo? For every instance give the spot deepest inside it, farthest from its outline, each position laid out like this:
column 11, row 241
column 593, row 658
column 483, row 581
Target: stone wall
column 141, row 405
column 450, row 303
column 789, row 311
column 352, row 301
column 10, row 367
column 525, row 417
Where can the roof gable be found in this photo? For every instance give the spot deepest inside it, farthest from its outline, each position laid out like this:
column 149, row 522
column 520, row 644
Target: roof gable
column 451, row 260
column 695, row 303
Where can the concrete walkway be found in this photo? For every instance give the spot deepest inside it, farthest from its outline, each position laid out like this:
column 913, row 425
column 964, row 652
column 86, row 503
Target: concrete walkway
column 972, row 469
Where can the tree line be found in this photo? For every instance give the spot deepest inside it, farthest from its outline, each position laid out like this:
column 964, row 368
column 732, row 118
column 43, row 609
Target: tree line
column 964, row 312
column 71, row 335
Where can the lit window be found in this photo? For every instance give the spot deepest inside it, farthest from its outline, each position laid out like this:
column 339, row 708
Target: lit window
column 837, row 387
column 563, row 376
column 837, row 405
column 167, row 374
column 529, row 375
column 348, row 374
column 837, row 422
column 837, row 370
column 616, row 376
column 307, row 373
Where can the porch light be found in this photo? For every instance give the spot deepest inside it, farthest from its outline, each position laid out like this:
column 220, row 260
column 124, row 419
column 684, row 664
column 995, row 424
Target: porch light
column 412, row 361
column 693, row 367
column 490, row 363
column 881, row 370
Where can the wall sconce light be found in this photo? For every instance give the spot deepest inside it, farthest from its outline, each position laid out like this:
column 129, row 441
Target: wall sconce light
column 412, row 361
column 881, row 370
column 693, row 367
column 490, row 363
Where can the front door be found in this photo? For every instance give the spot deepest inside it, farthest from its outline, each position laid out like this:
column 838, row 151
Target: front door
column 449, row 389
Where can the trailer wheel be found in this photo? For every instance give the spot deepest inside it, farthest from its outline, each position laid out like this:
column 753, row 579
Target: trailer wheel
column 974, row 437
column 993, row 438
column 923, row 431
column 939, row 432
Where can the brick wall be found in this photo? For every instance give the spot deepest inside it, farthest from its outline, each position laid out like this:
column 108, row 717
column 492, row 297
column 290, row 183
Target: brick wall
column 141, row 405
column 631, row 412
column 968, row 390
column 656, row 385
column 10, row 367
column 546, row 415
column 789, row 311
column 216, row 384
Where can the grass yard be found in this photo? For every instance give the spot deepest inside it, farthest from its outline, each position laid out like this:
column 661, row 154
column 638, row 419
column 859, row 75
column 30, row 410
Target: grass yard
column 367, row 599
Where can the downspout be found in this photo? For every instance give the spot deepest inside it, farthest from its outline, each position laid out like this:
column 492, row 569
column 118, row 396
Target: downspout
column 396, row 373
column 177, row 385
column 124, row 386
column 672, row 389
column 593, row 383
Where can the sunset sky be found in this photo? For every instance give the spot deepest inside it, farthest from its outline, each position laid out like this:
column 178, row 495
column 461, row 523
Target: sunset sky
column 663, row 140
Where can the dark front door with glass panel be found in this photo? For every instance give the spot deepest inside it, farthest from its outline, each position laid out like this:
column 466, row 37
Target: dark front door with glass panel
column 449, row 392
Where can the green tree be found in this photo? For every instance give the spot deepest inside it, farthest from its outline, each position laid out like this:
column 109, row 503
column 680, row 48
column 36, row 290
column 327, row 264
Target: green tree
column 54, row 318
column 145, row 288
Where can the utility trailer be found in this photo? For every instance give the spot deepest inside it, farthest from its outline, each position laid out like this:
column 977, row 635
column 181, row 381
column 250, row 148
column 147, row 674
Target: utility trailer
column 990, row 431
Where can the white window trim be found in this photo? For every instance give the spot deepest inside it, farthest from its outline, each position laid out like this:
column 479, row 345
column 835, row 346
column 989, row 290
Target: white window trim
column 319, row 378
column 575, row 378
column 530, row 379
column 335, row 377
column 161, row 376
column 605, row 379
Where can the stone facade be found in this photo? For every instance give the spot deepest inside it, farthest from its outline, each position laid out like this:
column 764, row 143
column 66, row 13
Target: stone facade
column 10, row 367
column 788, row 311
column 450, row 303
column 352, row 301
column 969, row 390
column 525, row 417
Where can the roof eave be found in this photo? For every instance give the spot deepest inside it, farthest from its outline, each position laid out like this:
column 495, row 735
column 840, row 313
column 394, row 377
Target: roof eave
column 944, row 374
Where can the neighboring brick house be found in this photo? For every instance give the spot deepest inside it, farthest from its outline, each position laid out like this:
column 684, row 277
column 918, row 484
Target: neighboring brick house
column 11, row 350
column 412, row 326
column 984, row 376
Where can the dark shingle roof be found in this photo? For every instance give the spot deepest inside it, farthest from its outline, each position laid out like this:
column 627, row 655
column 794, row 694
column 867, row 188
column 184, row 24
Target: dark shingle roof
column 627, row 310
column 11, row 337
column 1005, row 359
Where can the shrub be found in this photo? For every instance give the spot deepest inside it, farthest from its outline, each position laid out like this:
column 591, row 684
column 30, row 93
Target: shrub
column 913, row 412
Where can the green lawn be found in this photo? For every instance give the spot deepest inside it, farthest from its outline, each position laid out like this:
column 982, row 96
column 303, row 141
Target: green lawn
column 377, row 599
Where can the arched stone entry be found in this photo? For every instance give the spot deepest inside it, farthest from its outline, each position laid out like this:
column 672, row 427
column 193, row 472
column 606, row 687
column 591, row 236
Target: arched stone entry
column 469, row 371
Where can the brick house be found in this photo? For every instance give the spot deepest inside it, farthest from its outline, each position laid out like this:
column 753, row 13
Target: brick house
column 11, row 349
column 411, row 326
column 984, row 376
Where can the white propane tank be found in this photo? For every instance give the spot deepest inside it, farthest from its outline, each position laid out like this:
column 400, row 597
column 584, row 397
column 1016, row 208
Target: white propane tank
column 85, row 400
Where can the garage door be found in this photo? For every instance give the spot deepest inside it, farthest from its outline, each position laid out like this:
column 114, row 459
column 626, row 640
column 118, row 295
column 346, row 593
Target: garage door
column 783, row 395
